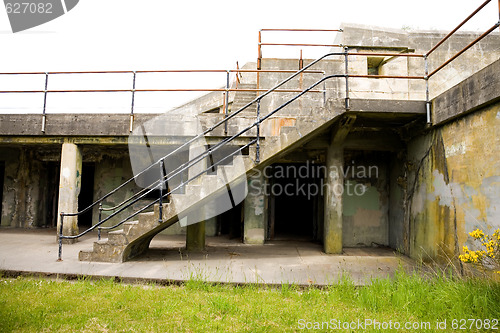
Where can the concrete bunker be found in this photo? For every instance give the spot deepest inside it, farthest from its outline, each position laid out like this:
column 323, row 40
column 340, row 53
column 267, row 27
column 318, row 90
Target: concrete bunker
column 413, row 195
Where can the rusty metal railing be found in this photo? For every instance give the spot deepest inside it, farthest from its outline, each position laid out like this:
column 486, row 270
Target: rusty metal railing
column 427, row 75
column 261, row 44
column 445, row 63
column 226, row 90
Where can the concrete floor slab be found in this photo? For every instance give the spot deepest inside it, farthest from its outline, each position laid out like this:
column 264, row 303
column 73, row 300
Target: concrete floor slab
column 225, row 260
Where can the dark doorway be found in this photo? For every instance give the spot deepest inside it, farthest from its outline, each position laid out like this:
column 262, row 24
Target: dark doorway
column 294, row 191
column 53, row 169
column 86, row 197
column 230, row 222
column 2, row 175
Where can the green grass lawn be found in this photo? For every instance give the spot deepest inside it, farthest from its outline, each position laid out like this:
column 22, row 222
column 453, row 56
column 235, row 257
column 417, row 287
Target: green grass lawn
column 41, row 305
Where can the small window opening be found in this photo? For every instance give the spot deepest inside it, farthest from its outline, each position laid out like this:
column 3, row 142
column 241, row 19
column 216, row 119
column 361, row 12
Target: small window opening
column 375, row 65
column 214, row 110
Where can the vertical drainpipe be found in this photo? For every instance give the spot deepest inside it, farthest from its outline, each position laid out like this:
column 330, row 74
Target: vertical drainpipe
column 161, row 183
column 427, row 97
column 132, row 107
column 301, row 65
column 257, row 146
column 259, row 59
column 44, row 115
column 226, row 102
column 346, row 62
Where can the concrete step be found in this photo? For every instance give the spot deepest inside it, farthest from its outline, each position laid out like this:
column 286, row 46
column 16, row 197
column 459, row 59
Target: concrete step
column 85, row 255
column 242, row 98
column 128, row 225
column 118, row 237
column 145, row 217
column 103, row 252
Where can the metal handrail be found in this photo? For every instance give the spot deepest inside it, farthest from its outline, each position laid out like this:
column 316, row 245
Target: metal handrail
column 260, row 44
column 238, row 70
column 187, row 181
column 133, row 90
column 458, row 27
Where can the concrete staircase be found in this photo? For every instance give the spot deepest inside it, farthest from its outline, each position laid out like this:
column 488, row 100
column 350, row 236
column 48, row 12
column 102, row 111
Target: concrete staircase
column 195, row 203
column 192, row 205
column 242, row 98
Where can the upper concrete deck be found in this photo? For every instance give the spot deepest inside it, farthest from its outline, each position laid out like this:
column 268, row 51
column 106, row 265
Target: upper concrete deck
column 379, row 102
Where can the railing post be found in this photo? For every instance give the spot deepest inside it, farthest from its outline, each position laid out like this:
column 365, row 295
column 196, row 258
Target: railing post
column 162, row 181
column 133, row 103
column 324, row 90
column 257, row 150
column 44, row 115
column 59, row 257
column 346, row 62
column 226, row 102
column 259, row 52
column 259, row 59
column 99, row 222
column 427, row 94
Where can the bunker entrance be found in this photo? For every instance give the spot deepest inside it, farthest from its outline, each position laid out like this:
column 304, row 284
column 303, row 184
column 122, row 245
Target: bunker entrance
column 296, row 199
column 52, row 193
column 230, row 223
column 86, row 196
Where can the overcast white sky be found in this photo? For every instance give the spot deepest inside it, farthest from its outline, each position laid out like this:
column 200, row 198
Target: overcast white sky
column 159, row 34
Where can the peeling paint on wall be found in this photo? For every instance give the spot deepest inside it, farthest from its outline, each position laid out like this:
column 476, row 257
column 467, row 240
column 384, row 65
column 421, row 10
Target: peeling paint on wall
column 365, row 212
column 457, row 184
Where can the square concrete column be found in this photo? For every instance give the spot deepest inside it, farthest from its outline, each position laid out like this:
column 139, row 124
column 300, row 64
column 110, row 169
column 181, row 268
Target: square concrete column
column 69, row 187
column 195, row 233
column 334, row 188
column 195, row 237
column 255, row 211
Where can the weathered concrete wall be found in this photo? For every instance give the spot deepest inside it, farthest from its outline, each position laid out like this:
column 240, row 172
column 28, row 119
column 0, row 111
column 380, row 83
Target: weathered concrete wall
column 70, row 124
column 454, row 183
column 363, row 88
column 25, row 182
column 310, row 101
column 382, row 39
column 110, row 172
column 480, row 89
column 366, row 200
column 255, row 216
column 398, row 229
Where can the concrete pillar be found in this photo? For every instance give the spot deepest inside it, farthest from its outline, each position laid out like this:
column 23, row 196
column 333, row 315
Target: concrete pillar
column 195, row 233
column 69, row 187
column 334, row 186
column 254, row 211
column 195, row 237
